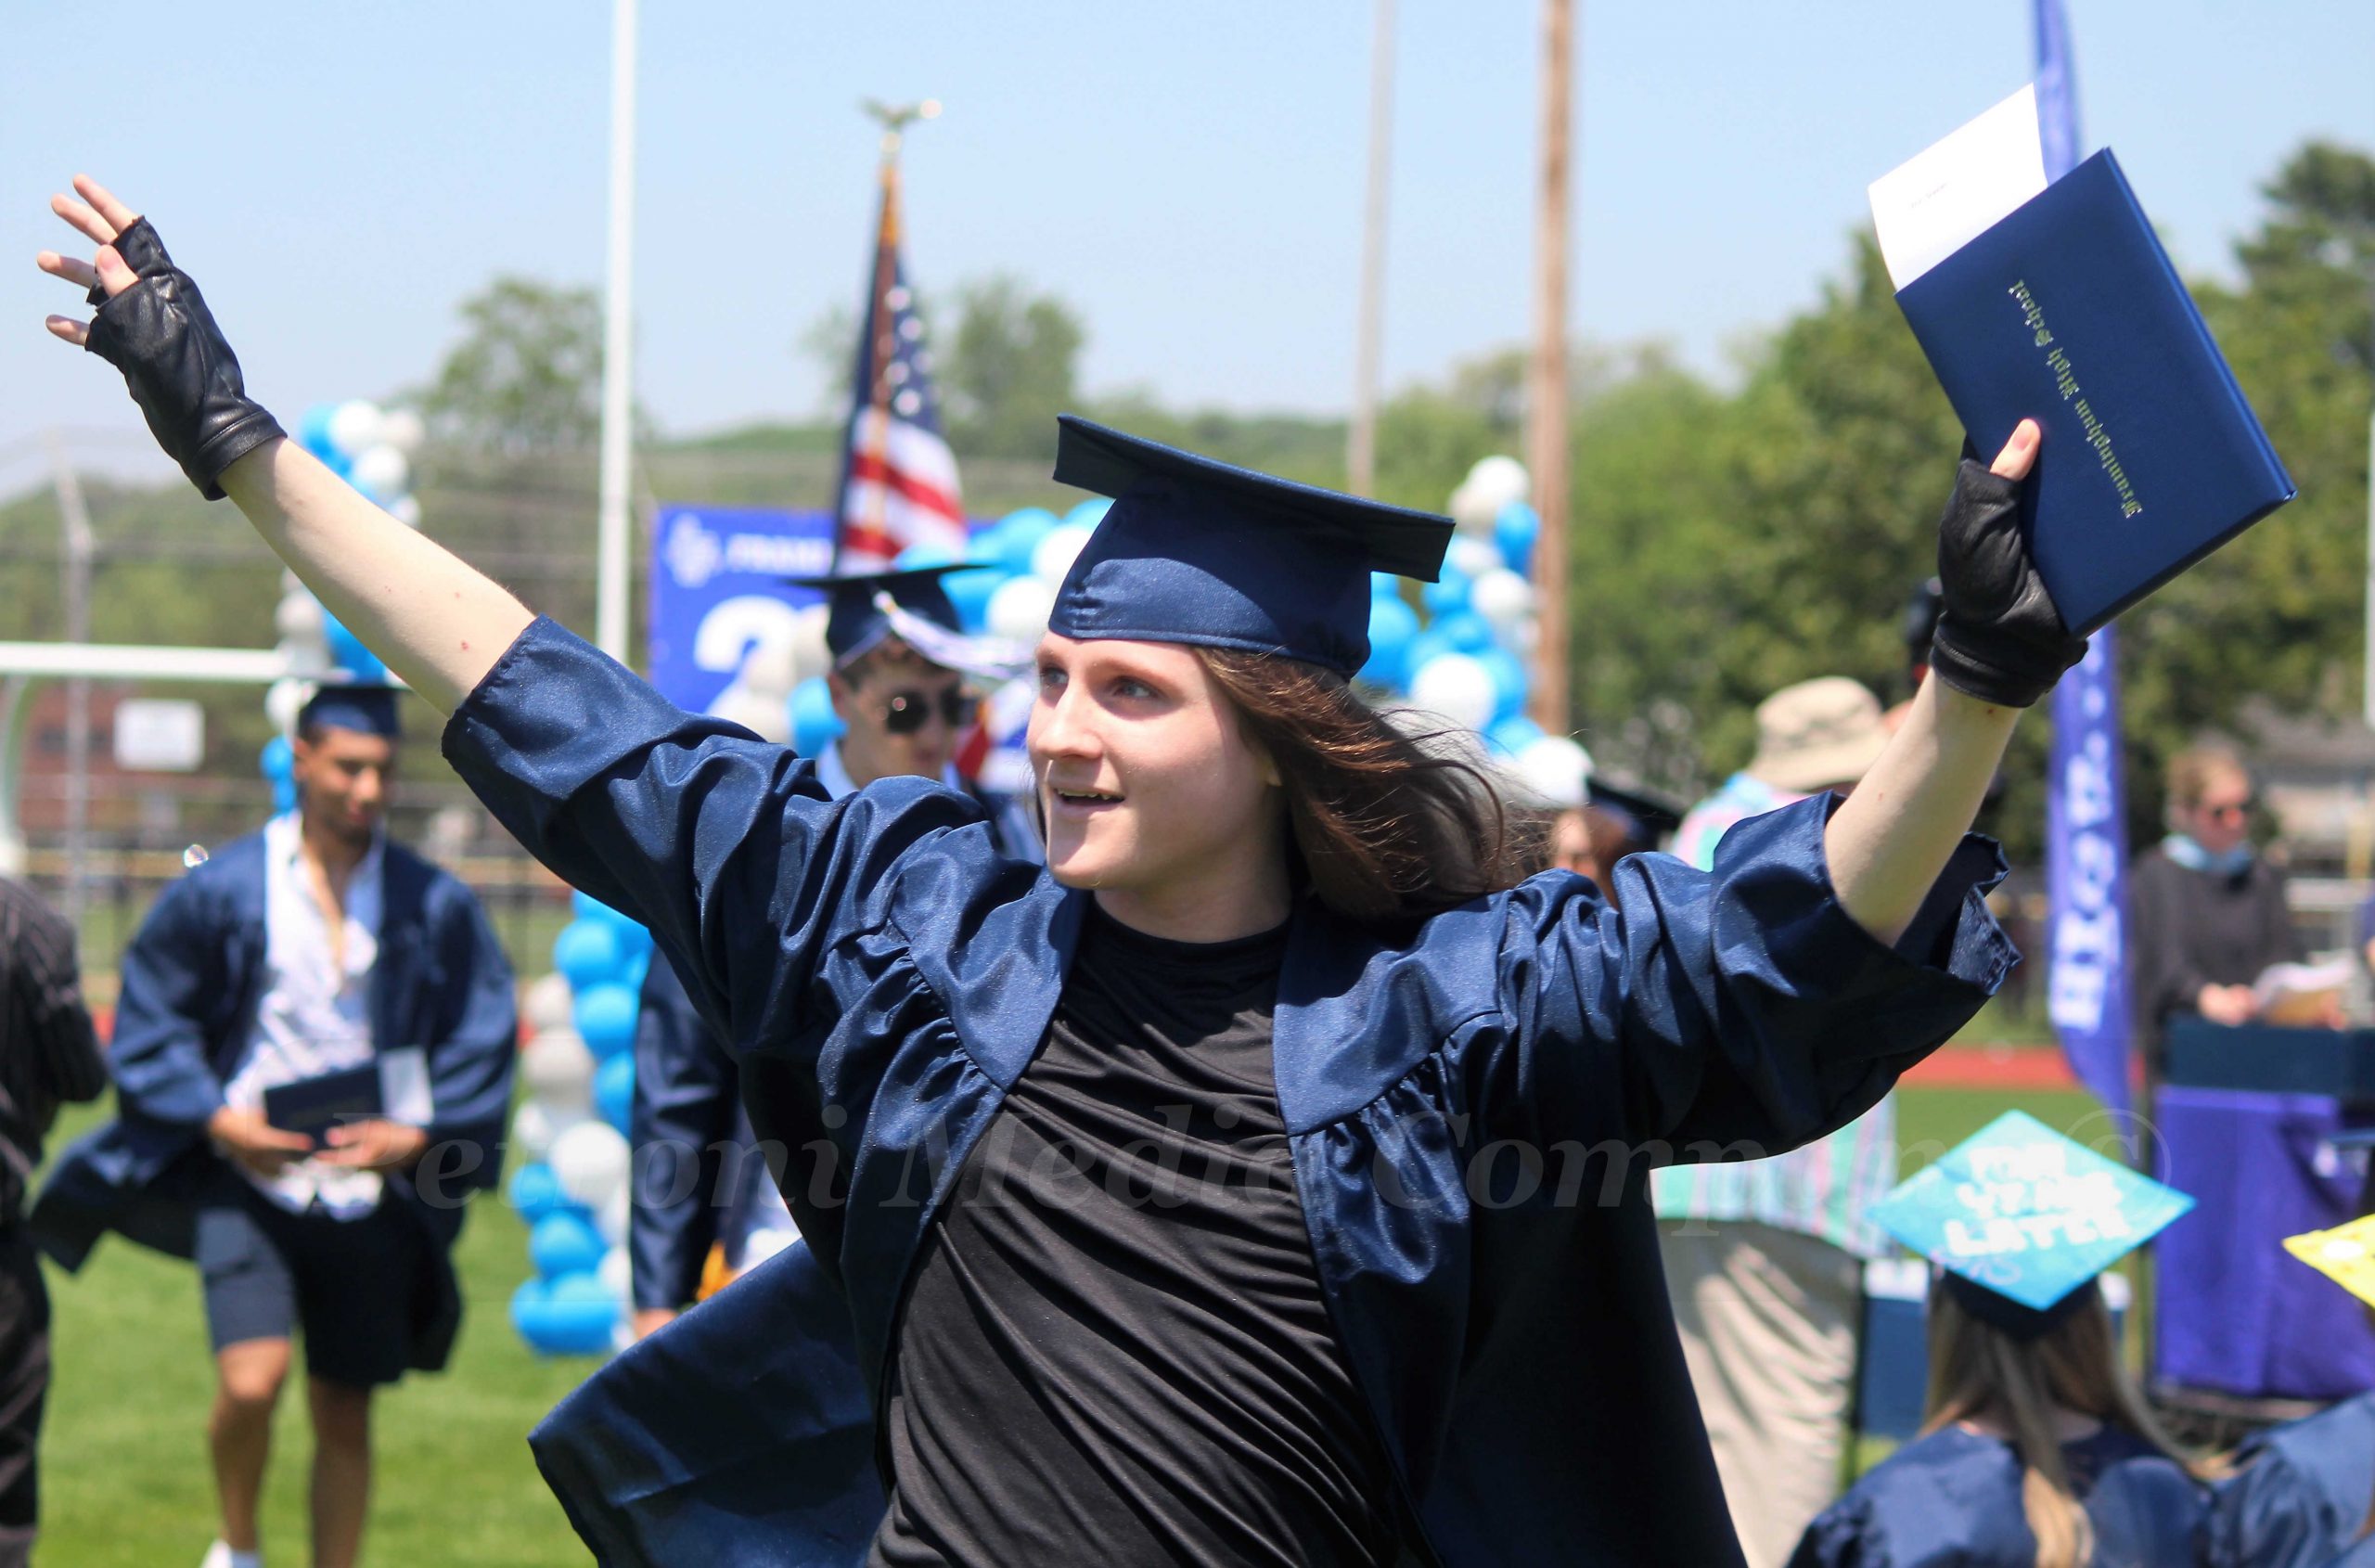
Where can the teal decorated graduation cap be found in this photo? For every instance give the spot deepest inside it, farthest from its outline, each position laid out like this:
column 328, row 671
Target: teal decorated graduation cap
column 1203, row 552
column 2019, row 1218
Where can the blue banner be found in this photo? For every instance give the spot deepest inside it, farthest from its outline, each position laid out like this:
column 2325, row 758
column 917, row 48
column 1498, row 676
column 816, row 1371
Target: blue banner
column 2085, row 792
column 717, row 590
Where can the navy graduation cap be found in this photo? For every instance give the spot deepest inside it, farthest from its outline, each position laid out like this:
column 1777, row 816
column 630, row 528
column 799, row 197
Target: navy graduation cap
column 366, row 709
column 856, row 620
column 1196, row 551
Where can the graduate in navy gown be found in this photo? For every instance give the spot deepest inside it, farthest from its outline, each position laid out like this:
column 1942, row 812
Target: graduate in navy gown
column 2038, row 1451
column 706, row 1202
column 2303, row 1494
column 1261, row 1180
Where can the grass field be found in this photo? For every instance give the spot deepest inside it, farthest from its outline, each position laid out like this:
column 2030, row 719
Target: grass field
column 124, row 1475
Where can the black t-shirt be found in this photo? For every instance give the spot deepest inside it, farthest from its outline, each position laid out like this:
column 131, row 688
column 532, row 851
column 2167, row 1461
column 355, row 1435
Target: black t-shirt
column 1115, row 1349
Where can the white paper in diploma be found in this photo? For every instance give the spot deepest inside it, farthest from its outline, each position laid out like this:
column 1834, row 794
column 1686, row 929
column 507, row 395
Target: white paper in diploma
column 1942, row 198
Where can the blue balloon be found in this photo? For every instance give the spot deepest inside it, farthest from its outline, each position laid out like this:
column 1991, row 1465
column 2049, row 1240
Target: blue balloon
column 587, row 953
column 614, row 1089
column 1393, row 626
column 1509, row 682
column 349, row 654
column 969, row 592
column 314, row 429
column 1463, row 631
column 1384, row 585
column 1448, row 594
column 535, row 1191
column 1087, row 514
column 1514, row 734
column 283, row 796
column 278, row 759
column 574, row 1314
column 1019, row 534
column 1425, row 648
column 564, row 1242
column 918, row 555
column 1515, row 530
column 814, row 726
column 588, row 907
column 635, row 967
column 604, row 1015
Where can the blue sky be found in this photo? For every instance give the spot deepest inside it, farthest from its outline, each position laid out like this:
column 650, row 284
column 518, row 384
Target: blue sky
column 1188, row 175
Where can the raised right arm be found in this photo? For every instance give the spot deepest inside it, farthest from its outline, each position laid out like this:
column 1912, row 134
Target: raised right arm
column 439, row 622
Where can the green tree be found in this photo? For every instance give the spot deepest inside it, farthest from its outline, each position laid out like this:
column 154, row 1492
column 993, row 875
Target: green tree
column 1008, row 369
column 527, row 376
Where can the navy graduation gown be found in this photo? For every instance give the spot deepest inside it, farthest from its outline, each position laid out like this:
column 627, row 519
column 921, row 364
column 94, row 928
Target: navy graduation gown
column 1471, row 1106
column 2301, row 1495
column 1952, row 1499
column 193, row 978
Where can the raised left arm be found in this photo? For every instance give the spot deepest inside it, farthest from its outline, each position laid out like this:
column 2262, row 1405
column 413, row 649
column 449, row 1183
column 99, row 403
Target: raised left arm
column 2000, row 646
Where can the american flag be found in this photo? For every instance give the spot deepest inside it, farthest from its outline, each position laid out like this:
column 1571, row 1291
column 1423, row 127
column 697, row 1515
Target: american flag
column 898, row 476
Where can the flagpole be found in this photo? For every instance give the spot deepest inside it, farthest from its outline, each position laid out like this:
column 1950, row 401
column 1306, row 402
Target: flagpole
column 613, row 571
column 1546, row 412
column 1360, row 443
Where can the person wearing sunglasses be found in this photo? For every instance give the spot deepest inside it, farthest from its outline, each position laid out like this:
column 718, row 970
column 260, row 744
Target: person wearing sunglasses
column 2209, row 911
column 707, row 1207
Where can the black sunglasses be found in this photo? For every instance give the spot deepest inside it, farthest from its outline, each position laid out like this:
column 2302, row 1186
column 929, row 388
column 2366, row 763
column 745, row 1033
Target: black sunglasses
column 905, row 711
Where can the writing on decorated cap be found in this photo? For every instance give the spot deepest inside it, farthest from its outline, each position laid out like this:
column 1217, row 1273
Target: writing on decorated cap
column 2026, row 1217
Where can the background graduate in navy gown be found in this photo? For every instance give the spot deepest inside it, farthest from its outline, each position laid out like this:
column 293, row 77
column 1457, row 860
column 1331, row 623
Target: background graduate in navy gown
column 706, row 1202
column 2038, row 1451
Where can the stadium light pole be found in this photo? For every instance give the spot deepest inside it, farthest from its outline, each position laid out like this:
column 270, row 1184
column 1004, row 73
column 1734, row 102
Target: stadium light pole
column 613, row 571
column 1360, row 442
column 1545, row 403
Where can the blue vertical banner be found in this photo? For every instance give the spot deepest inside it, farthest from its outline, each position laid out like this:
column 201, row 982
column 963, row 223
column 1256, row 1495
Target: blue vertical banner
column 2085, row 795
column 718, row 591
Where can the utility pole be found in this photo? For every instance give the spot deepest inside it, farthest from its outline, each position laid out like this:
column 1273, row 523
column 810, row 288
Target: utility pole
column 1545, row 403
column 1360, row 443
column 613, row 571
column 74, row 524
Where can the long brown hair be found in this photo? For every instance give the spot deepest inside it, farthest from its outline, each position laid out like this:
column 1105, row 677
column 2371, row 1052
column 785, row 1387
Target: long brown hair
column 1977, row 1370
column 1389, row 826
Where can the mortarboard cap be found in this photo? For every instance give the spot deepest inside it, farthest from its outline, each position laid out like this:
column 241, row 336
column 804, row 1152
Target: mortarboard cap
column 857, row 618
column 1196, row 551
column 2021, row 1217
column 2344, row 1254
column 366, row 709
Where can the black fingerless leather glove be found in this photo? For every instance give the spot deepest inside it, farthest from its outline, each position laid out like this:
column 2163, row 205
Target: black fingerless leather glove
column 181, row 373
column 1999, row 638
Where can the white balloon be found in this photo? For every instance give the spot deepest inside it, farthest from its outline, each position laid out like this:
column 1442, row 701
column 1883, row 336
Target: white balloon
column 1557, row 770
column 547, row 1004
column 1472, row 557
column 1455, row 685
column 558, row 1071
column 611, row 1215
column 1499, row 480
column 1503, row 597
column 381, row 472
column 772, row 670
column 355, row 426
column 768, row 718
column 591, row 1160
column 1470, row 513
column 406, row 510
column 535, row 1125
column 810, row 656
column 617, row 1272
column 283, row 700
column 1020, row 609
column 297, row 617
column 403, row 430
column 1053, row 556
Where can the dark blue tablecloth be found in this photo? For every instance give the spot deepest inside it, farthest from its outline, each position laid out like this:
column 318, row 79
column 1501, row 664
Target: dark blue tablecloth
column 2234, row 1311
